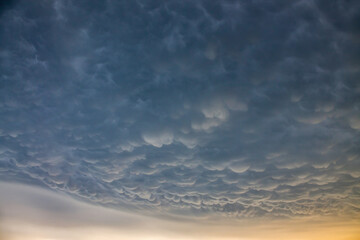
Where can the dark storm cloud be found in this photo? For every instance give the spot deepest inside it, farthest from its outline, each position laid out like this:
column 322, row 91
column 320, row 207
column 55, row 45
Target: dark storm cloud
column 241, row 108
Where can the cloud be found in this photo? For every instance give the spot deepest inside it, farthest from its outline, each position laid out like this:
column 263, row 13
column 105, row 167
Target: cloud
column 213, row 108
column 354, row 122
column 159, row 139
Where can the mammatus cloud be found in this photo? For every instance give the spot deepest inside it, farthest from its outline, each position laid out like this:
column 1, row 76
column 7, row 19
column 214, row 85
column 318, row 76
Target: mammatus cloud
column 159, row 139
column 239, row 109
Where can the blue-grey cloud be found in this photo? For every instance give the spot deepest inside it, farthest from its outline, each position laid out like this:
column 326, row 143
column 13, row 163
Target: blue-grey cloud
column 236, row 108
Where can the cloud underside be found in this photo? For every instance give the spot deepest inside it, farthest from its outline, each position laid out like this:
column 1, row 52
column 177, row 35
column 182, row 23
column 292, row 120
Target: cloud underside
column 234, row 108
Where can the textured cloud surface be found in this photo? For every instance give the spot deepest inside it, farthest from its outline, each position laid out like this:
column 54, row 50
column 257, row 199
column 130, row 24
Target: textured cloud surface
column 185, row 108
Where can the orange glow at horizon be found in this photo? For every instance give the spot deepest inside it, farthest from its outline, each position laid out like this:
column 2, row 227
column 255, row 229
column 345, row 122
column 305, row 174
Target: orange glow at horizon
column 42, row 233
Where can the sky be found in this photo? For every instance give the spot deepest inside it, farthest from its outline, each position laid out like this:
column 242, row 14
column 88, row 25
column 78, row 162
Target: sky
column 179, row 119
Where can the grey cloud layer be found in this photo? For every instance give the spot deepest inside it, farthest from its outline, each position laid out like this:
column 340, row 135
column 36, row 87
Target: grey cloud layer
column 240, row 108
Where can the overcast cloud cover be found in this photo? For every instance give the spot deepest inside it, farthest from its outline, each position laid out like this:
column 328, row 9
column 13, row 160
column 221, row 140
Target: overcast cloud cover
column 185, row 108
